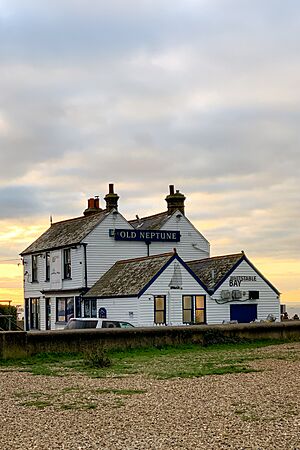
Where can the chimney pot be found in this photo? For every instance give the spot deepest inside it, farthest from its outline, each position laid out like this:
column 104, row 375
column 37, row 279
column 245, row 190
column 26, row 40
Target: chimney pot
column 91, row 203
column 175, row 201
column 93, row 206
column 111, row 198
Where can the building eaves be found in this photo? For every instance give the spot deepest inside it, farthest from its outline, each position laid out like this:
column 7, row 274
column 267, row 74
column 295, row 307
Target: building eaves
column 66, row 233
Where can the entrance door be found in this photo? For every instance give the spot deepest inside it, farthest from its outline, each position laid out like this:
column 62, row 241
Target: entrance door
column 34, row 314
column 26, row 315
column 48, row 313
column 243, row 313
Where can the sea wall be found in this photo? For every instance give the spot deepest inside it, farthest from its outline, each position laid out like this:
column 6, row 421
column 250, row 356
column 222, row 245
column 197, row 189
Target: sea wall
column 21, row 344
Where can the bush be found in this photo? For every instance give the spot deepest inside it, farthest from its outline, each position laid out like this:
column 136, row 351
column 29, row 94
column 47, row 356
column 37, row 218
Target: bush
column 97, row 359
column 212, row 337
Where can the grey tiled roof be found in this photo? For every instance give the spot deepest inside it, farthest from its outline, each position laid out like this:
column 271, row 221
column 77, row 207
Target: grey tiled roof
column 128, row 277
column 154, row 222
column 67, row 232
column 212, row 270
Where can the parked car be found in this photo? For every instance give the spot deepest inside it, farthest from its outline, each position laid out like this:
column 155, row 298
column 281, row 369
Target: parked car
column 83, row 323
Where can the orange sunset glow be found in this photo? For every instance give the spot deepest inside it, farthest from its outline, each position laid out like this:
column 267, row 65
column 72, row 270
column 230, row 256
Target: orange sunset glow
column 284, row 274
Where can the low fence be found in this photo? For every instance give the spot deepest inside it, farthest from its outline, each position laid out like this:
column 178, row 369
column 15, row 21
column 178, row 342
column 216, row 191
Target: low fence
column 19, row 344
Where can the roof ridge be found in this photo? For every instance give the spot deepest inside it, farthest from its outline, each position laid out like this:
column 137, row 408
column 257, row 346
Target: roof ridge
column 216, row 257
column 148, row 217
column 142, row 258
column 80, row 217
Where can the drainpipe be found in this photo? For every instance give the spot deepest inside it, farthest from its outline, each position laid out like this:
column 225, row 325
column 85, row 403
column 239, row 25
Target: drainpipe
column 169, row 308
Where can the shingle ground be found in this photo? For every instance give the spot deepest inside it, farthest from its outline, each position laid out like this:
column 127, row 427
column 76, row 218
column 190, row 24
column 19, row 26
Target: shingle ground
column 258, row 410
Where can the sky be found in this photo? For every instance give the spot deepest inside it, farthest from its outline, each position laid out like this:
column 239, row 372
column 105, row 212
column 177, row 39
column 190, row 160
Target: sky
column 202, row 94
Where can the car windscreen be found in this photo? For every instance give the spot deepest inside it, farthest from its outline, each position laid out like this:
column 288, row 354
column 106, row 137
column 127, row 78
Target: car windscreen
column 81, row 324
column 126, row 325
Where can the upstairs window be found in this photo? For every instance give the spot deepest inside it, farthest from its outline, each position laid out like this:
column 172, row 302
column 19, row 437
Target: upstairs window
column 67, row 263
column 47, row 266
column 34, row 268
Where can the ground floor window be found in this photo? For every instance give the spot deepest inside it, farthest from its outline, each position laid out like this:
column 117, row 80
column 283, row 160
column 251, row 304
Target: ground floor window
column 64, row 309
column 160, row 309
column 90, row 308
column 193, row 309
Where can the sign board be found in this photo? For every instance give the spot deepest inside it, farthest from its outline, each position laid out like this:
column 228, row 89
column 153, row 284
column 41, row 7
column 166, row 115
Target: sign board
column 235, row 281
column 55, row 270
column 102, row 313
column 145, row 235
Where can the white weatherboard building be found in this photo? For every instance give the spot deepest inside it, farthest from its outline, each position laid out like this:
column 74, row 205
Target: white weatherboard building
column 101, row 265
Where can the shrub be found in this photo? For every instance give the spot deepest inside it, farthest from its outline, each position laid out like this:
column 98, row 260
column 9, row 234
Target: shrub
column 97, row 359
column 212, row 337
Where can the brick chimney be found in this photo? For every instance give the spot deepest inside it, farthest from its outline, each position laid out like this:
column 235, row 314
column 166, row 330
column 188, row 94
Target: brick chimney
column 93, row 206
column 111, row 198
column 175, row 201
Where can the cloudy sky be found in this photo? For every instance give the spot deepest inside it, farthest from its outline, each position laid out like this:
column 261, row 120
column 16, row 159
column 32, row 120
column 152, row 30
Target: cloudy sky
column 203, row 94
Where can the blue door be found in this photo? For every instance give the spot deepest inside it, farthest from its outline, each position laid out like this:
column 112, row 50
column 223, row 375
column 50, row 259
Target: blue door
column 243, row 313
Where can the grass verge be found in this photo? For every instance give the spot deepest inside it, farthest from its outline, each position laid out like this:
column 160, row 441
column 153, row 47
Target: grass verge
column 167, row 362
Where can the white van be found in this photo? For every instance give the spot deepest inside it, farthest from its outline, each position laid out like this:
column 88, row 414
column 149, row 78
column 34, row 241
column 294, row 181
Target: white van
column 83, row 323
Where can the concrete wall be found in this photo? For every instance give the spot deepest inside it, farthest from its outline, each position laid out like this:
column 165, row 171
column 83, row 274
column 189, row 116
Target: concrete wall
column 19, row 344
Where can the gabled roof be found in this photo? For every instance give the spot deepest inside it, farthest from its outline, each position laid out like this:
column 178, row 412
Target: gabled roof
column 128, row 277
column 66, row 232
column 132, row 277
column 154, row 222
column 212, row 270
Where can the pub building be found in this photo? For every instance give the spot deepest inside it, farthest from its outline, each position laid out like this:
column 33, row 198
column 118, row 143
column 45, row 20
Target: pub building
column 150, row 271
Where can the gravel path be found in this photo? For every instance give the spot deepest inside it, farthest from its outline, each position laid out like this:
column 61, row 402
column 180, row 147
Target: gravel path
column 234, row 411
